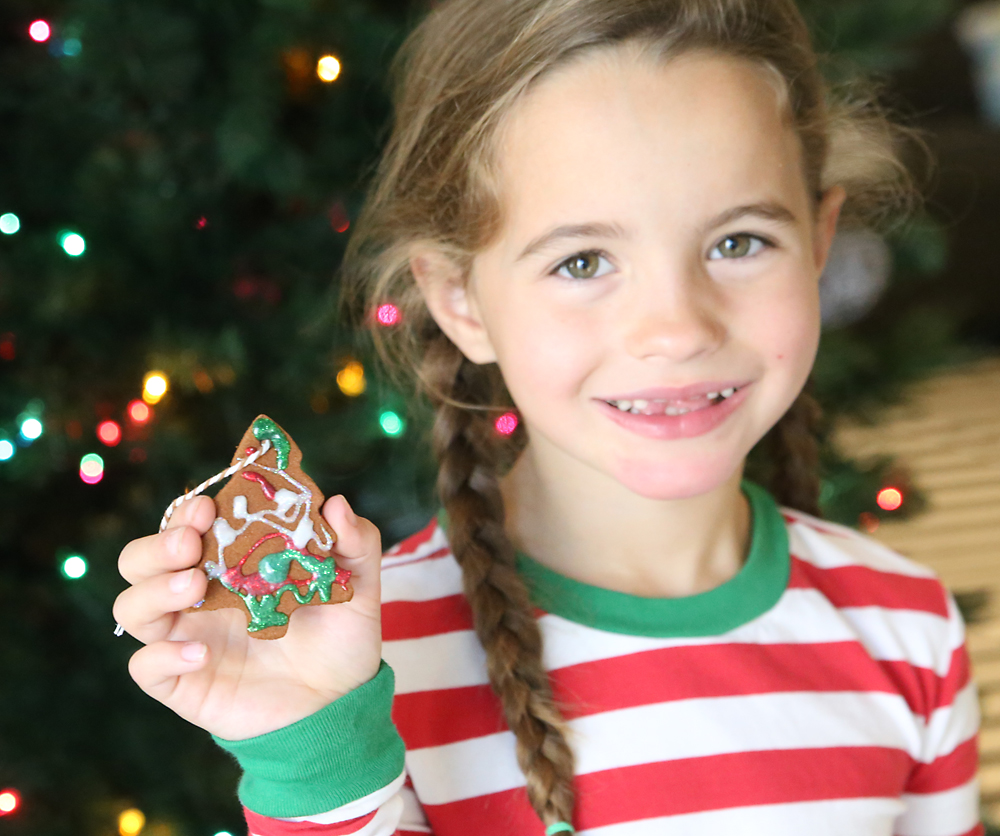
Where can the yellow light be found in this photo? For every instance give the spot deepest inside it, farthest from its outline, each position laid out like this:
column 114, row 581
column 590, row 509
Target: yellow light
column 154, row 387
column 351, row 379
column 131, row 822
column 328, row 68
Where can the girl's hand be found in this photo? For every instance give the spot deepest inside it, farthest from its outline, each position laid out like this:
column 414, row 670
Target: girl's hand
column 207, row 668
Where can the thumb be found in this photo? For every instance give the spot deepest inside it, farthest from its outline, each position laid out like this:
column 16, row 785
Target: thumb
column 358, row 547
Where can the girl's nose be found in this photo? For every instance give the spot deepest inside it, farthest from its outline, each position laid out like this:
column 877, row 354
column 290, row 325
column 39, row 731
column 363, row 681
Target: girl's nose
column 677, row 323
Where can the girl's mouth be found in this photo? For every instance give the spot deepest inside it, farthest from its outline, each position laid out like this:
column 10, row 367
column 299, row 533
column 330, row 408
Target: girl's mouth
column 675, row 406
column 688, row 416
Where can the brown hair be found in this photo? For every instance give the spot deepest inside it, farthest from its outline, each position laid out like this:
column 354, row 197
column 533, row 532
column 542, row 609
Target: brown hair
column 458, row 75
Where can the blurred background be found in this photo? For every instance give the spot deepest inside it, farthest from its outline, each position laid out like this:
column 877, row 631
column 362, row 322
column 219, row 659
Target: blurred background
column 177, row 182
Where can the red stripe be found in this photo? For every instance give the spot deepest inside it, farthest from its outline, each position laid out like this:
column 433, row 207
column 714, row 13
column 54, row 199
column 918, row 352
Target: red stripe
column 416, row 619
column 948, row 771
column 859, row 586
column 692, row 785
column 924, row 690
column 414, row 541
column 978, row 830
column 434, row 718
column 264, row 826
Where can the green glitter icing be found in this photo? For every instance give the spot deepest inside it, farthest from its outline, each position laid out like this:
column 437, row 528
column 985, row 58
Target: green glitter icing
column 272, row 574
column 266, row 429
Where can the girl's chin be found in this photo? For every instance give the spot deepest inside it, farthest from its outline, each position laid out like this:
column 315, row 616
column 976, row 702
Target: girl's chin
column 674, row 481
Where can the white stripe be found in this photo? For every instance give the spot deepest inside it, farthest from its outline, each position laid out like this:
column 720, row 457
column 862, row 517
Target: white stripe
column 423, row 581
column 395, row 555
column 674, row 730
column 357, row 808
column 413, row 814
column 840, row 817
column 385, row 821
column 951, row 725
column 920, row 638
column 849, row 548
column 802, row 616
column 941, row 813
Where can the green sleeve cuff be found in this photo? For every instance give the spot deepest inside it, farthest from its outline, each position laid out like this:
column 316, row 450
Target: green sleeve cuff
column 343, row 752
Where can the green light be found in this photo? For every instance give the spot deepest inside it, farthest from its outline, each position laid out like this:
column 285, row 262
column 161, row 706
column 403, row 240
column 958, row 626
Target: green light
column 72, row 243
column 7, row 450
column 391, row 423
column 9, row 223
column 72, row 47
column 31, row 427
column 74, row 567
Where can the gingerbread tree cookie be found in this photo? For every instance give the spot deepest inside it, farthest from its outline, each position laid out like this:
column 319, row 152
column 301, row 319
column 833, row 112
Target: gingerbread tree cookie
column 269, row 549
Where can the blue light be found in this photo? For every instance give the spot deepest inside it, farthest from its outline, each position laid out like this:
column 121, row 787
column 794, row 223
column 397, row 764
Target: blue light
column 72, row 47
column 9, row 223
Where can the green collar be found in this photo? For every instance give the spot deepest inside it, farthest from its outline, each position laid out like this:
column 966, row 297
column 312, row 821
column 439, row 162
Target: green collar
column 750, row 593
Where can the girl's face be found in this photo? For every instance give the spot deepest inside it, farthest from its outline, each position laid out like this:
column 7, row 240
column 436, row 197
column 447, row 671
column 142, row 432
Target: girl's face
column 652, row 301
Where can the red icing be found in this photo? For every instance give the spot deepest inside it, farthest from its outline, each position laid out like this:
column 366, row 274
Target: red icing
column 265, row 486
column 251, row 450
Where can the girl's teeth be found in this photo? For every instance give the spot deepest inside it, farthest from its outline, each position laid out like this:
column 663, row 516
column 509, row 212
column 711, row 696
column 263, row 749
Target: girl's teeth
column 727, row 392
column 625, row 406
column 640, row 405
column 712, row 395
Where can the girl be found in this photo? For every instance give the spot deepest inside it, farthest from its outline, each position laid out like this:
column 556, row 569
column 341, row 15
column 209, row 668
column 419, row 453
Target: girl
column 613, row 216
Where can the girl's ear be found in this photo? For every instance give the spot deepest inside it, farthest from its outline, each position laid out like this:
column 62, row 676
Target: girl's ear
column 826, row 223
column 451, row 302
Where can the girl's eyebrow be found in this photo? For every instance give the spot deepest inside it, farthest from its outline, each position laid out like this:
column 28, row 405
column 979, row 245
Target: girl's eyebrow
column 769, row 210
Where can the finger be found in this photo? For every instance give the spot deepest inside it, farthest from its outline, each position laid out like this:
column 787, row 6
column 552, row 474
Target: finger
column 148, row 610
column 157, row 667
column 359, row 546
column 176, row 548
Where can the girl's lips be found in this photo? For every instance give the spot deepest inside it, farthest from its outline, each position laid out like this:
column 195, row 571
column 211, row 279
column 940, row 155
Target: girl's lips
column 666, row 427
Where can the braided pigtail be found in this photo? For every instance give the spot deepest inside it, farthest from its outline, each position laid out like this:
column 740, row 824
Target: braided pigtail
column 470, row 455
column 793, row 451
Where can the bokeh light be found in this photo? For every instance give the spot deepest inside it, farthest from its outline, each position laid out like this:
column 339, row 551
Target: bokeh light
column 506, row 423
column 131, row 822
column 109, row 432
column 328, row 68
column 391, row 423
column 72, row 47
column 72, row 243
column 39, row 31
column 388, row 314
column 139, row 412
column 9, row 223
column 10, row 800
column 154, row 387
column 7, row 449
column 31, row 427
column 889, row 499
column 351, row 379
column 91, row 468
column 74, row 567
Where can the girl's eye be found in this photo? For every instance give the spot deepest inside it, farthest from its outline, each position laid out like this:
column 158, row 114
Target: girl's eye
column 584, row 266
column 740, row 245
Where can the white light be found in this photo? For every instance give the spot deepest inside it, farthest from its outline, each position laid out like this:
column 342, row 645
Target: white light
column 31, row 429
column 6, row 450
column 9, row 223
column 74, row 567
column 73, row 244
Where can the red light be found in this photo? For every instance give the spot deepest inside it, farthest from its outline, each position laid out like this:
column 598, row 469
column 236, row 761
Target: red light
column 39, row 31
column 8, row 348
column 506, row 423
column 338, row 217
column 868, row 522
column 110, row 432
column 10, row 800
column 139, row 412
column 388, row 314
column 889, row 499
column 201, row 223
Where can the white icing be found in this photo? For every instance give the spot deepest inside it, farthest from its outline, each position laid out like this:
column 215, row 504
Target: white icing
column 291, row 505
column 223, row 531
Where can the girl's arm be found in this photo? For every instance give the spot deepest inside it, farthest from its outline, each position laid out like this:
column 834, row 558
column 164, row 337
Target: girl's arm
column 942, row 795
column 338, row 772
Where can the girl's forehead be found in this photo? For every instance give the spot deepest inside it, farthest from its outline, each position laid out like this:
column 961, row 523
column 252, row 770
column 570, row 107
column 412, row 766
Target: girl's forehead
column 622, row 130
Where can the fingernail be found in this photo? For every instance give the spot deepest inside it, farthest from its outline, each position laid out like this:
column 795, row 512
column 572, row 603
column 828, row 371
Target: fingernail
column 173, row 540
column 181, row 581
column 349, row 514
column 193, row 652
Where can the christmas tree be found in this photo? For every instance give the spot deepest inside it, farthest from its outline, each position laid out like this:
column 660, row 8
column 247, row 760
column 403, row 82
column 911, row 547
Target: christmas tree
column 179, row 181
